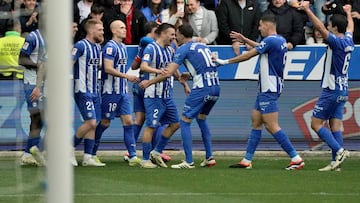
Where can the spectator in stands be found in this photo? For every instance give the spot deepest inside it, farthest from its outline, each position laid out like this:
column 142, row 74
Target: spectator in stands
column 84, row 8
column 5, row 13
column 317, row 5
column 75, row 28
column 211, row 4
column 29, row 16
column 240, row 16
column 290, row 23
column 152, row 11
column 316, row 38
column 203, row 22
column 140, row 4
column 97, row 12
column 10, row 46
column 175, row 14
column 356, row 17
column 133, row 18
column 263, row 5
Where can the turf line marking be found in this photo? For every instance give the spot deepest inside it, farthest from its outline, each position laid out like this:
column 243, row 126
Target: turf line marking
column 187, row 194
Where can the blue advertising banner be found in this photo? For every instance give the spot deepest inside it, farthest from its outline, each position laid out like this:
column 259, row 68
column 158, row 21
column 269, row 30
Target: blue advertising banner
column 303, row 63
column 231, row 119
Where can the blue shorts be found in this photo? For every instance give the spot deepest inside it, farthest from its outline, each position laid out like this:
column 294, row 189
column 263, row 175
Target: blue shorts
column 201, row 101
column 330, row 105
column 160, row 111
column 88, row 105
column 115, row 105
column 266, row 102
column 138, row 97
column 36, row 105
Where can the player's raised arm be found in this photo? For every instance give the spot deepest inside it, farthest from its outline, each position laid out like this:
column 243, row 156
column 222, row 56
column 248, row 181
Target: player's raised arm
column 305, row 5
column 350, row 26
column 243, row 57
column 239, row 37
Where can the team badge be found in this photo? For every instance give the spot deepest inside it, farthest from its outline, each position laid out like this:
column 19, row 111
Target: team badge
column 26, row 45
column 109, row 50
column 74, row 50
column 146, row 57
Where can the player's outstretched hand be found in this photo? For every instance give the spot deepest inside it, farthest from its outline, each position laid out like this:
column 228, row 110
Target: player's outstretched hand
column 163, row 71
column 144, row 84
column 133, row 78
column 236, row 36
column 185, row 76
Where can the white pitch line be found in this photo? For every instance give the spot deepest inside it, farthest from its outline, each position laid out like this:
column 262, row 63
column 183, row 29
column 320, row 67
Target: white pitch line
column 188, row 194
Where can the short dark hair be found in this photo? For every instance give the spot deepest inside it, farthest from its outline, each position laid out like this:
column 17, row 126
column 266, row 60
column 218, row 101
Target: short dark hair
column 11, row 23
column 149, row 26
column 339, row 21
column 97, row 9
column 268, row 18
column 163, row 27
column 186, row 30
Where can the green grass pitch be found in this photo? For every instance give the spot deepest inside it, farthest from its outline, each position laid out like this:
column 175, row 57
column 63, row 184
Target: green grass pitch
column 117, row 182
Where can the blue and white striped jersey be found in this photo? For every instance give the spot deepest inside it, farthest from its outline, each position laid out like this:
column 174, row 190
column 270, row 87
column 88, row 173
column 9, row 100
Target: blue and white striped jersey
column 272, row 50
column 159, row 58
column 34, row 47
column 118, row 54
column 87, row 61
column 335, row 75
column 197, row 60
column 144, row 41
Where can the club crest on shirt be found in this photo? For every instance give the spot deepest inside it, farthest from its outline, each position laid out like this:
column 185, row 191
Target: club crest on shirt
column 74, row 51
column 109, row 50
column 26, row 45
column 146, row 57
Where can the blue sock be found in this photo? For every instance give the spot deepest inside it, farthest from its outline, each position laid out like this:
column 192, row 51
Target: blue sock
column 88, row 146
column 98, row 134
column 157, row 135
column 186, row 140
column 339, row 138
column 161, row 144
column 253, row 142
column 129, row 140
column 136, row 129
column 77, row 141
column 41, row 144
column 327, row 137
column 285, row 143
column 206, row 137
column 146, row 150
column 32, row 142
